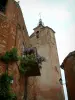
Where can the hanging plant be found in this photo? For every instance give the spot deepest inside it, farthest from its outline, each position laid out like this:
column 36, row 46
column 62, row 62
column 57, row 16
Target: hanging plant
column 5, row 88
column 31, row 62
column 9, row 56
column 28, row 62
column 6, row 80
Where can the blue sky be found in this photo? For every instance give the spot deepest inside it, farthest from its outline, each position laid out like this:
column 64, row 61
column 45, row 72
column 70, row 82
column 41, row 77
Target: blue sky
column 57, row 14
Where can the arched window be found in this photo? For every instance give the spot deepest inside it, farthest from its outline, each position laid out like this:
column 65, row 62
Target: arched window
column 37, row 34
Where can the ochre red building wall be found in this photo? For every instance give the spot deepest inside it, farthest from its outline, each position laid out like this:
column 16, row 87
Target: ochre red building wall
column 13, row 33
column 69, row 67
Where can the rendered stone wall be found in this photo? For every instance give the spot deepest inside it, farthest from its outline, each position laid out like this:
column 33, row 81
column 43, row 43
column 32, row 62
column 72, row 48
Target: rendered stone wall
column 48, row 86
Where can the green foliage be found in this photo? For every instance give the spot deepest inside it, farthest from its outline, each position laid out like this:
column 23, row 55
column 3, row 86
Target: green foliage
column 27, row 62
column 13, row 55
column 9, row 56
column 28, row 59
column 5, row 80
column 5, row 88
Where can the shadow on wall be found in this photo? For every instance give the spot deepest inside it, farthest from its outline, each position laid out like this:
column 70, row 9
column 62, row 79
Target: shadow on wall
column 3, row 5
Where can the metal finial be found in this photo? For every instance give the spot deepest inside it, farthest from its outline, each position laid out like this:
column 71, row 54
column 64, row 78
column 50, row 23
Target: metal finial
column 40, row 15
column 40, row 20
column 18, row 2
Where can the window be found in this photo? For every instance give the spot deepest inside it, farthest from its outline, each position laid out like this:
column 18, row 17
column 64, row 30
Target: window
column 37, row 34
column 23, row 27
column 18, row 26
column 3, row 5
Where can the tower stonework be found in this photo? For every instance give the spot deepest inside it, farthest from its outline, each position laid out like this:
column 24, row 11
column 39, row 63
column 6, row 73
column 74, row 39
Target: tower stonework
column 47, row 86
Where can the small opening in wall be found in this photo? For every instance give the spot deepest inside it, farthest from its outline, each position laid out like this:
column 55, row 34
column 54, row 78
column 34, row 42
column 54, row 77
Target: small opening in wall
column 37, row 34
column 60, row 80
column 3, row 5
column 23, row 27
column 18, row 26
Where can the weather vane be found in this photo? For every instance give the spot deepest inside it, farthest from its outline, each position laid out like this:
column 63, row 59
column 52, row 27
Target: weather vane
column 40, row 15
column 18, row 2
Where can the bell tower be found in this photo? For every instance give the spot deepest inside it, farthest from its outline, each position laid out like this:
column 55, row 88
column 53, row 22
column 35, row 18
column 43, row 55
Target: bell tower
column 48, row 86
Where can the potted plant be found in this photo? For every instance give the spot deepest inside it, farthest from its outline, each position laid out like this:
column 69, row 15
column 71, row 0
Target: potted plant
column 31, row 62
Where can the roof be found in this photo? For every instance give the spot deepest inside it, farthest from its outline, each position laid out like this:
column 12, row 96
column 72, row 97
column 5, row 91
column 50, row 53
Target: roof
column 38, row 27
column 43, row 27
column 32, row 35
column 34, row 32
column 68, row 56
column 50, row 28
